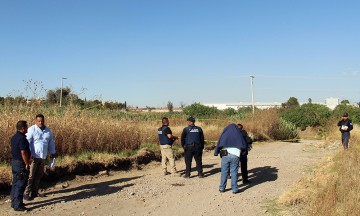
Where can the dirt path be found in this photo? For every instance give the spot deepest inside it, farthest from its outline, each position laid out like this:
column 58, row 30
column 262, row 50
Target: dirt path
column 273, row 167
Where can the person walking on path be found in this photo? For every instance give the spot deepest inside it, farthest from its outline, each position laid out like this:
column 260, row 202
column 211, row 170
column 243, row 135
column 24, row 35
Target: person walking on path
column 166, row 139
column 230, row 145
column 192, row 140
column 41, row 142
column 345, row 126
column 20, row 165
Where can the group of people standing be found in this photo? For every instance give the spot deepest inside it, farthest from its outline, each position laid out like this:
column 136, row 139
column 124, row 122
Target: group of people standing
column 192, row 140
column 29, row 149
column 233, row 147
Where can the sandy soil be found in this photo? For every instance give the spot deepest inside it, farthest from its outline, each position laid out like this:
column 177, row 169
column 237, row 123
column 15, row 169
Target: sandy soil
column 273, row 167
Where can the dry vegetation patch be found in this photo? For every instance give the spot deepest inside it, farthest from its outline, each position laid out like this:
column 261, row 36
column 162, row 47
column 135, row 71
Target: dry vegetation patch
column 331, row 189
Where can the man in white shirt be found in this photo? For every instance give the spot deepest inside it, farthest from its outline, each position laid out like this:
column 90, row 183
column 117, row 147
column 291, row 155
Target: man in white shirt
column 41, row 142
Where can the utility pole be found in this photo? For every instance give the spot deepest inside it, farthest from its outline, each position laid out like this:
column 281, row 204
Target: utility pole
column 252, row 93
column 61, row 90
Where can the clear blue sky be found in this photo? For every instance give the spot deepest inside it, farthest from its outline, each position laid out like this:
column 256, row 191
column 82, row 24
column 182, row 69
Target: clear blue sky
column 149, row 52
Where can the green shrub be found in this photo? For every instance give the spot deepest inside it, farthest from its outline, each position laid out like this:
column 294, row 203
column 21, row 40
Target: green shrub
column 200, row 111
column 306, row 115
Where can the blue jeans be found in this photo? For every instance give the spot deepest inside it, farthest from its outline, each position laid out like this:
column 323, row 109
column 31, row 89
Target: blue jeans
column 229, row 162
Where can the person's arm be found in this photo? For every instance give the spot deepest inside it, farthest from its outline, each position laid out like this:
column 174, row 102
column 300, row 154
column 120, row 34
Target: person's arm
column 202, row 138
column 350, row 126
column 51, row 145
column 30, row 138
column 25, row 158
column 183, row 137
column 339, row 123
column 169, row 134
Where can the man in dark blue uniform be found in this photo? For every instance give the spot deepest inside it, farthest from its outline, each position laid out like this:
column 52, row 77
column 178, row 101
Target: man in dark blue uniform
column 166, row 139
column 20, row 165
column 192, row 140
column 345, row 126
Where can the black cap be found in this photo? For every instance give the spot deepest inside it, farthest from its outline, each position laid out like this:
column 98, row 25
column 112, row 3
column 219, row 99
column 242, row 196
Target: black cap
column 192, row 119
column 346, row 114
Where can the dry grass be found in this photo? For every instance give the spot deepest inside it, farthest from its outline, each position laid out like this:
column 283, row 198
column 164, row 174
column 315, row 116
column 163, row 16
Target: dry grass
column 333, row 188
column 101, row 135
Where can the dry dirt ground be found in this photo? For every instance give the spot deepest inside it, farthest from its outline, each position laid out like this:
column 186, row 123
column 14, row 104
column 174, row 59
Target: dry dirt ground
column 273, row 167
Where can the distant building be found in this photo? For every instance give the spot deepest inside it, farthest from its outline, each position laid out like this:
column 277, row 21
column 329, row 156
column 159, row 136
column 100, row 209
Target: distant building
column 331, row 103
column 236, row 106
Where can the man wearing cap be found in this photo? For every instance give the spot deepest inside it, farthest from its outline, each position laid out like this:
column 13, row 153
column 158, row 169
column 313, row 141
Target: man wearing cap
column 166, row 139
column 345, row 126
column 192, row 140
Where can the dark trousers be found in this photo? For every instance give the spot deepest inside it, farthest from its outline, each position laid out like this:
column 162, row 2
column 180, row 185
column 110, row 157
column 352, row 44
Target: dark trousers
column 345, row 137
column 196, row 152
column 20, row 178
column 243, row 166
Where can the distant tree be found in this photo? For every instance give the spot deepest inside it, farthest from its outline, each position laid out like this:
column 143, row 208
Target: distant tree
column 150, row 108
column 291, row 103
column 34, row 88
column 229, row 111
column 182, row 105
column 310, row 100
column 170, row 106
column 345, row 102
column 53, row 95
column 199, row 110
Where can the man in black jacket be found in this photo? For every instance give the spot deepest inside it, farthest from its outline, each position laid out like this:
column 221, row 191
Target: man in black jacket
column 345, row 126
column 243, row 155
column 192, row 140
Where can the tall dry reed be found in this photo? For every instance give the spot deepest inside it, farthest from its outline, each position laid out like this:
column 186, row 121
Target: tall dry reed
column 334, row 187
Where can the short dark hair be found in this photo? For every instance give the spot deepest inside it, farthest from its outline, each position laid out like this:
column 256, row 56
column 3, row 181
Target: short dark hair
column 164, row 119
column 240, row 126
column 21, row 124
column 40, row 116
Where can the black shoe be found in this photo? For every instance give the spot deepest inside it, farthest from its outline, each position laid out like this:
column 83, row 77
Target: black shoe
column 201, row 175
column 187, row 176
column 221, row 191
column 246, row 182
column 235, row 192
column 21, row 208
column 28, row 198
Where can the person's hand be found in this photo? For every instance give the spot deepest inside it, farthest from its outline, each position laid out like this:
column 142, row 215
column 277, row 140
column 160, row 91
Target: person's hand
column 27, row 167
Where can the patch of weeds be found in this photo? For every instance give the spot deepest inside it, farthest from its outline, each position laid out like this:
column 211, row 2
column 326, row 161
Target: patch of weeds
column 272, row 207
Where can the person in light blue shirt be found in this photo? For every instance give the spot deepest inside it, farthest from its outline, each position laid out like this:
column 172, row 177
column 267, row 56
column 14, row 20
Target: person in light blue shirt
column 41, row 142
column 230, row 145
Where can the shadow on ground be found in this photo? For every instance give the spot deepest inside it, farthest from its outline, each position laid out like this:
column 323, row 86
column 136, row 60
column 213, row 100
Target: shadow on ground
column 84, row 191
column 260, row 175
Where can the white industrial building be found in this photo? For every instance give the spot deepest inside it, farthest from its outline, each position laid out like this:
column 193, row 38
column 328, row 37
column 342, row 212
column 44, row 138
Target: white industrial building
column 329, row 102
